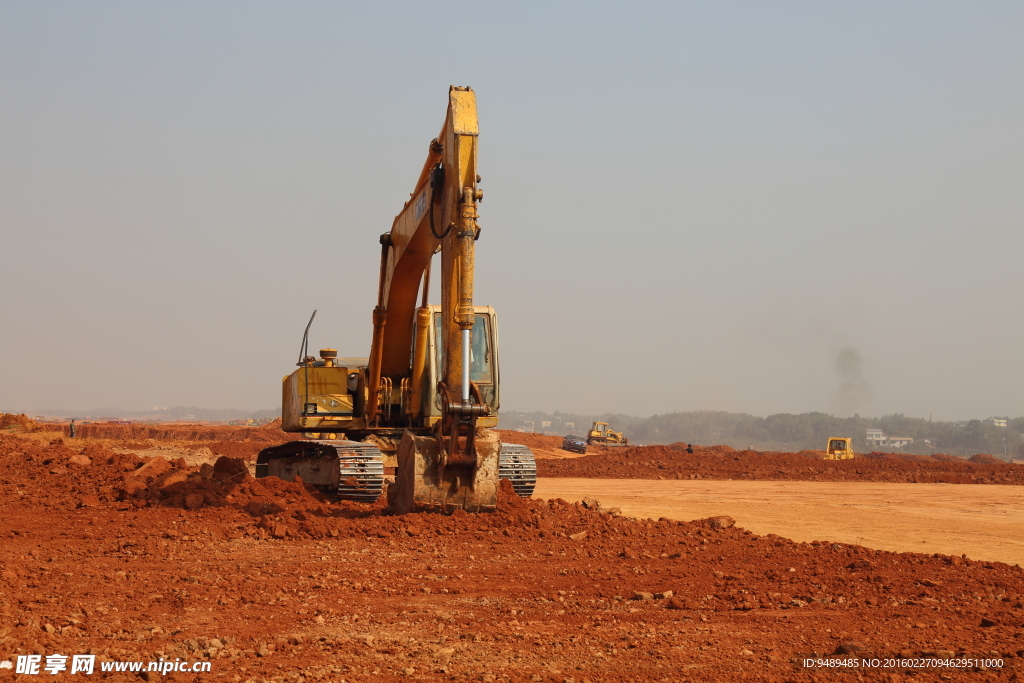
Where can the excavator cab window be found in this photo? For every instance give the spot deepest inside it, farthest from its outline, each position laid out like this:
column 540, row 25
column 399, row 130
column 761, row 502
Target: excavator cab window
column 481, row 360
column 480, row 366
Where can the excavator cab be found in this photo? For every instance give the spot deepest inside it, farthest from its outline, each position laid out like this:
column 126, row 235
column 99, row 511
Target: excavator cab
column 483, row 359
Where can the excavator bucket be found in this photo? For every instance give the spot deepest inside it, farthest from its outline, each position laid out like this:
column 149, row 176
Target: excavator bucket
column 420, row 487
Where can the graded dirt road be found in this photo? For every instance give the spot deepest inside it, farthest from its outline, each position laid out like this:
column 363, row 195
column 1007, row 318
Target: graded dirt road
column 985, row 522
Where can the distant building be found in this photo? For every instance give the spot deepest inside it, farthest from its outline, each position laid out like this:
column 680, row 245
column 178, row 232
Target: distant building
column 995, row 422
column 876, row 438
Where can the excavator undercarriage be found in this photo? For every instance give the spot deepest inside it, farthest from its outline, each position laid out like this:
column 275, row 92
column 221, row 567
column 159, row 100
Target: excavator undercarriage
column 350, row 470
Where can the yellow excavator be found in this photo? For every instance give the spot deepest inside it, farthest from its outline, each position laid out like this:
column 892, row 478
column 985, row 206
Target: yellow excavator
column 425, row 399
column 601, row 434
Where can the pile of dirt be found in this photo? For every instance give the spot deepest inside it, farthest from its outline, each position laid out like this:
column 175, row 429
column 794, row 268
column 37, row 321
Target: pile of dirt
column 104, row 553
column 268, row 434
column 20, row 423
column 942, row 457
column 247, row 450
column 707, row 450
column 530, row 440
column 95, row 476
column 911, row 457
column 723, row 462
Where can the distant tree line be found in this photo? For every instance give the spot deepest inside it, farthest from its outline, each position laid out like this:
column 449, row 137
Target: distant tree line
column 788, row 432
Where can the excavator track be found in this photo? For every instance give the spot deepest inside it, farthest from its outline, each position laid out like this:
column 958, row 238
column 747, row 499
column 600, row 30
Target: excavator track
column 517, row 464
column 350, row 470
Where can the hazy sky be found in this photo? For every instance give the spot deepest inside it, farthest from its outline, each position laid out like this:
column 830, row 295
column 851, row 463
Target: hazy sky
column 760, row 207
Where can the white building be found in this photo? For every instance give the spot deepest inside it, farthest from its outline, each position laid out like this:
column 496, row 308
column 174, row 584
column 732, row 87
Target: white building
column 995, row 422
column 876, row 438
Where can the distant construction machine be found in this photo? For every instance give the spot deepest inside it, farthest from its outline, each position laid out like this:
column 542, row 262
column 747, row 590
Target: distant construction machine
column 428, row 392
column 839, row 448
column 601, row 434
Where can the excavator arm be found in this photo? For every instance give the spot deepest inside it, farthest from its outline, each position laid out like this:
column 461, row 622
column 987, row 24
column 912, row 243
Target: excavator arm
column 441, row 212
column 456, row 468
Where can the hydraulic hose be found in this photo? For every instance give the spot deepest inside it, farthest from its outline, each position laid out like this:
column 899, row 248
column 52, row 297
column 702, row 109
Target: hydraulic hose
column 436, row 178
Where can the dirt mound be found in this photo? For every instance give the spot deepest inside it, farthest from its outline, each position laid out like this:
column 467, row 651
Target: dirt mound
column 22, row 423
column 267, row 434
column 942, row 457
column 985, row 459
column 266, row 579
column 706, row 450
column 247, row 450
column 723, row 462
column 530, row 440
column 715, row 450
column 910, row 457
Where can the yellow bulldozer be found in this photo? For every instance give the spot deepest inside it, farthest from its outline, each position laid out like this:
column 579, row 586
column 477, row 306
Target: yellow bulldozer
column 601, row 434
column 839, row 448
column 424, row 399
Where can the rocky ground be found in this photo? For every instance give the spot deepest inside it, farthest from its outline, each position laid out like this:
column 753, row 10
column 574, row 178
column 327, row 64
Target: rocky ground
column 128, row 557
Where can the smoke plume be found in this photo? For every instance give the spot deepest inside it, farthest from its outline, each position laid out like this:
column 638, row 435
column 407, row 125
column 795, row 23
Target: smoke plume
column 853, row 388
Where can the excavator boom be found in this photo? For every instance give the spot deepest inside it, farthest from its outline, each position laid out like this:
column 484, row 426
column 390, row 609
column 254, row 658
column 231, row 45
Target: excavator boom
column 441, row 212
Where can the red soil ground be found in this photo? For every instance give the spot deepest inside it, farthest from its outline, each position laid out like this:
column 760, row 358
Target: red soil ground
column 135, row 559
column 237, row 442
column 723, row 462
column 267, row 434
